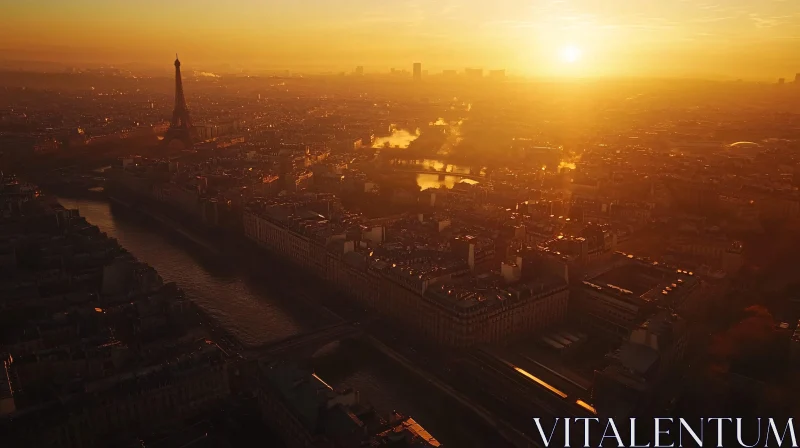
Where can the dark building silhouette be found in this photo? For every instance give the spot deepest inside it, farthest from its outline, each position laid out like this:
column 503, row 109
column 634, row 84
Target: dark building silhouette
column 417, row 71
column 180, row 127
column 359, row 70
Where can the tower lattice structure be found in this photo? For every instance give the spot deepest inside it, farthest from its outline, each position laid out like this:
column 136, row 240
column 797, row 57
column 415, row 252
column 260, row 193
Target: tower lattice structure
column 180, row 127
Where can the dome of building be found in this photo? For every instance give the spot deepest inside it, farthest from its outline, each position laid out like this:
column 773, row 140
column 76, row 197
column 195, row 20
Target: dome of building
column 744, row 145
column 744, row 149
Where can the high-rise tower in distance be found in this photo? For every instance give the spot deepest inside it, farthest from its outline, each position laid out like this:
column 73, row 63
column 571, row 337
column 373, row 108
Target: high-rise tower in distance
column 359, row 70
column 417, row 71
column 797, row 79
column 180, row 127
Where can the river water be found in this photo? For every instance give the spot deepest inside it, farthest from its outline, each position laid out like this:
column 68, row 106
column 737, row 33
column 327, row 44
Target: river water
column 255, row 312
column 425, row 181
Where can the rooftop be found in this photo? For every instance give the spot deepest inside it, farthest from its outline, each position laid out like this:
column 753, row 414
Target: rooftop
column 306, row 394
column 466, row 296
column 648, row 281
column 628, row 279
column 406, row 433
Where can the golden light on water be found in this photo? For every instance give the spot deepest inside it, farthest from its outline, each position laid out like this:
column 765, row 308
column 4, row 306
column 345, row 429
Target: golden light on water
column 399, row 138
column 426, row 181
column 569, row 165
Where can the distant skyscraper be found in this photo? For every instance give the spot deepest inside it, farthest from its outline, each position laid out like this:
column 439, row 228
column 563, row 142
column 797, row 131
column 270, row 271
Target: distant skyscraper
column 797, row 78
column 359, row 70
column 417, row 71
column 781, row 81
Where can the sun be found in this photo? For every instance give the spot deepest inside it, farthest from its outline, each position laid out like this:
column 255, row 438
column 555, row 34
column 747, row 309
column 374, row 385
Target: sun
column 571, row 54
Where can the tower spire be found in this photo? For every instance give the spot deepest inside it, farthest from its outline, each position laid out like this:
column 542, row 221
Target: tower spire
column 180, row 127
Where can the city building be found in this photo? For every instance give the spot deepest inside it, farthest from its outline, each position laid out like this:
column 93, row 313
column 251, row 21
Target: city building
column 478, row 253
column 463, row 317
column 620, row 297
column 210, row 131
column 642, row 370
column 417, row 71
column 101, row 347
column 308, row 412
column 429, row 290
column 147, row 399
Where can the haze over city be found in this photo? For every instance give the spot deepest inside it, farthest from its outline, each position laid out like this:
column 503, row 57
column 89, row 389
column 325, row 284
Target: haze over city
column 399, row 223
column 561, row 38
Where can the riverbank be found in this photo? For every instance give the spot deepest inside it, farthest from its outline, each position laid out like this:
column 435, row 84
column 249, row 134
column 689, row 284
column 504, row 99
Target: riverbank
column 232, row 250
column 315, row 285
column 170, row 224
column 259, row 309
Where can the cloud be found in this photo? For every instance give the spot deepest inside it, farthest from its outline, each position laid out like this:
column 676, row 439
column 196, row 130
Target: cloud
column 509, row 24
column 763, row 22
column 713, row 19
column 775, row 20
column 448, row 8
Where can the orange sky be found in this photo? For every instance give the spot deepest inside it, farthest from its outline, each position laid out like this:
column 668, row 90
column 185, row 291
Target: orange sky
column 736, row 38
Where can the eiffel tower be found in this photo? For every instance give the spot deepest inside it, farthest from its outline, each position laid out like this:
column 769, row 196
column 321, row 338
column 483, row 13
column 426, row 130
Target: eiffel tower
column 180, row 128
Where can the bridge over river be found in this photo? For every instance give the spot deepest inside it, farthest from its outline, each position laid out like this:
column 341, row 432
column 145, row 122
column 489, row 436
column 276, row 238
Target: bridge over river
column 427, row 166
column 304, row 345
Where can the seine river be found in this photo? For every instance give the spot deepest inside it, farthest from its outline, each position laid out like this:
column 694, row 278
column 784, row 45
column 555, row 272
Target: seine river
column 254, row 310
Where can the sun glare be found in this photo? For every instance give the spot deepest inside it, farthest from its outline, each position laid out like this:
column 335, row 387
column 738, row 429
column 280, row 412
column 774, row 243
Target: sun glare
column 571, row 54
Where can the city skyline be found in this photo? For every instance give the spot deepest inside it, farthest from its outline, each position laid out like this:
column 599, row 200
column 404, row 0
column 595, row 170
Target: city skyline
column 550, row 38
